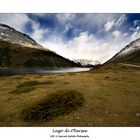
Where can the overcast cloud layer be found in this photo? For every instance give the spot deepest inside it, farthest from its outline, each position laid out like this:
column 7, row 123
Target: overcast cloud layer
column 78, row 36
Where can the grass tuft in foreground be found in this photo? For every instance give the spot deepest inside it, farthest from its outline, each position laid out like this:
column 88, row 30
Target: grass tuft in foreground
column 28, row 86
column 53, row 106
column 23, row 90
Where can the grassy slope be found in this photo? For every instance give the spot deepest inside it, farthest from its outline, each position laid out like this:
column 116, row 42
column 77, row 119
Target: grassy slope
column 112, row 97
column 13, row 56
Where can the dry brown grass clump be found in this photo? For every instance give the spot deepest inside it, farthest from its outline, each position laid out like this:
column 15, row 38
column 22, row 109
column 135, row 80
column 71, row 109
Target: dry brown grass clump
column 54, row 105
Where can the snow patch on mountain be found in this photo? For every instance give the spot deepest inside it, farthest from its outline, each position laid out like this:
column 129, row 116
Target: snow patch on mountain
column 129, row 53
column 132, row 47
column 11, row 35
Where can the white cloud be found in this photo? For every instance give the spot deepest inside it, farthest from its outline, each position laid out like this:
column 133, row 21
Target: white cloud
column 40, row 14
column 125, row 34
column 96, row 19
column 136, row 22
column 116, row 34
column 64, row 18
column 115, row 22
column 135, row 29
column 121, row 19
column 109, row 25
column 38, row 33
column 92, row 21
column 84, row 46
column 136, row 33
column 17, row 21
column 67, row 27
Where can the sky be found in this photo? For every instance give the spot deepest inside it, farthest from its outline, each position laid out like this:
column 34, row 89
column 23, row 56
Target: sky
column 95, row 37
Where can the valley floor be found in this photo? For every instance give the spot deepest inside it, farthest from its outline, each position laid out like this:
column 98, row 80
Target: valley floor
column 112, row 97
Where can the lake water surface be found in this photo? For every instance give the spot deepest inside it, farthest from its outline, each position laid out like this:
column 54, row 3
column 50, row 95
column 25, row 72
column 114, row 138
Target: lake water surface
column 22, row 71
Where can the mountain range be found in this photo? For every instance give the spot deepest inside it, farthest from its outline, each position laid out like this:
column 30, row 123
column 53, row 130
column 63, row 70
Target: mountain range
column 86, row 62
column 129, row 54
column 19, row 50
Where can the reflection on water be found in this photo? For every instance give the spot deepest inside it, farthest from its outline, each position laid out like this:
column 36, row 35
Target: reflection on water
column 39, row 71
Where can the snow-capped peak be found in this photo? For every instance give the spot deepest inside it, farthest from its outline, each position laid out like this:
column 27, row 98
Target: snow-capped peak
column 86, row 62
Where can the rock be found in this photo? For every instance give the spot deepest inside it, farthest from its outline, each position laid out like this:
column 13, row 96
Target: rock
column 77, row 118
column 137, row 114
column 106, row 77
column 106, row 111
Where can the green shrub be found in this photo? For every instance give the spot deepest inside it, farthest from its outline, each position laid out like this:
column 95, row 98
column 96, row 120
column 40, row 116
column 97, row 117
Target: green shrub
column 54, row 105
column 27, row 84
column 23, row 90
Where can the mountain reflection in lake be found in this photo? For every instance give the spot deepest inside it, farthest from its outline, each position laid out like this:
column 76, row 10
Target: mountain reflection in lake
column 22, row 71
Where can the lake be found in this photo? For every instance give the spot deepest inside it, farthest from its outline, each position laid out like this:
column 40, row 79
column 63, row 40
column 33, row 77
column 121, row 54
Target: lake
column 22, row 71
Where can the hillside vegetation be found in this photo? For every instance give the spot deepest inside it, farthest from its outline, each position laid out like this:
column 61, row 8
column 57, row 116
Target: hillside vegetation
column 17, row 56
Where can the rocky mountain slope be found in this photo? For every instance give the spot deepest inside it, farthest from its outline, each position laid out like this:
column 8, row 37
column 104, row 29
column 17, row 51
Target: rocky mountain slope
column 129, row 54
column 9, row 34
column 19, row 50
